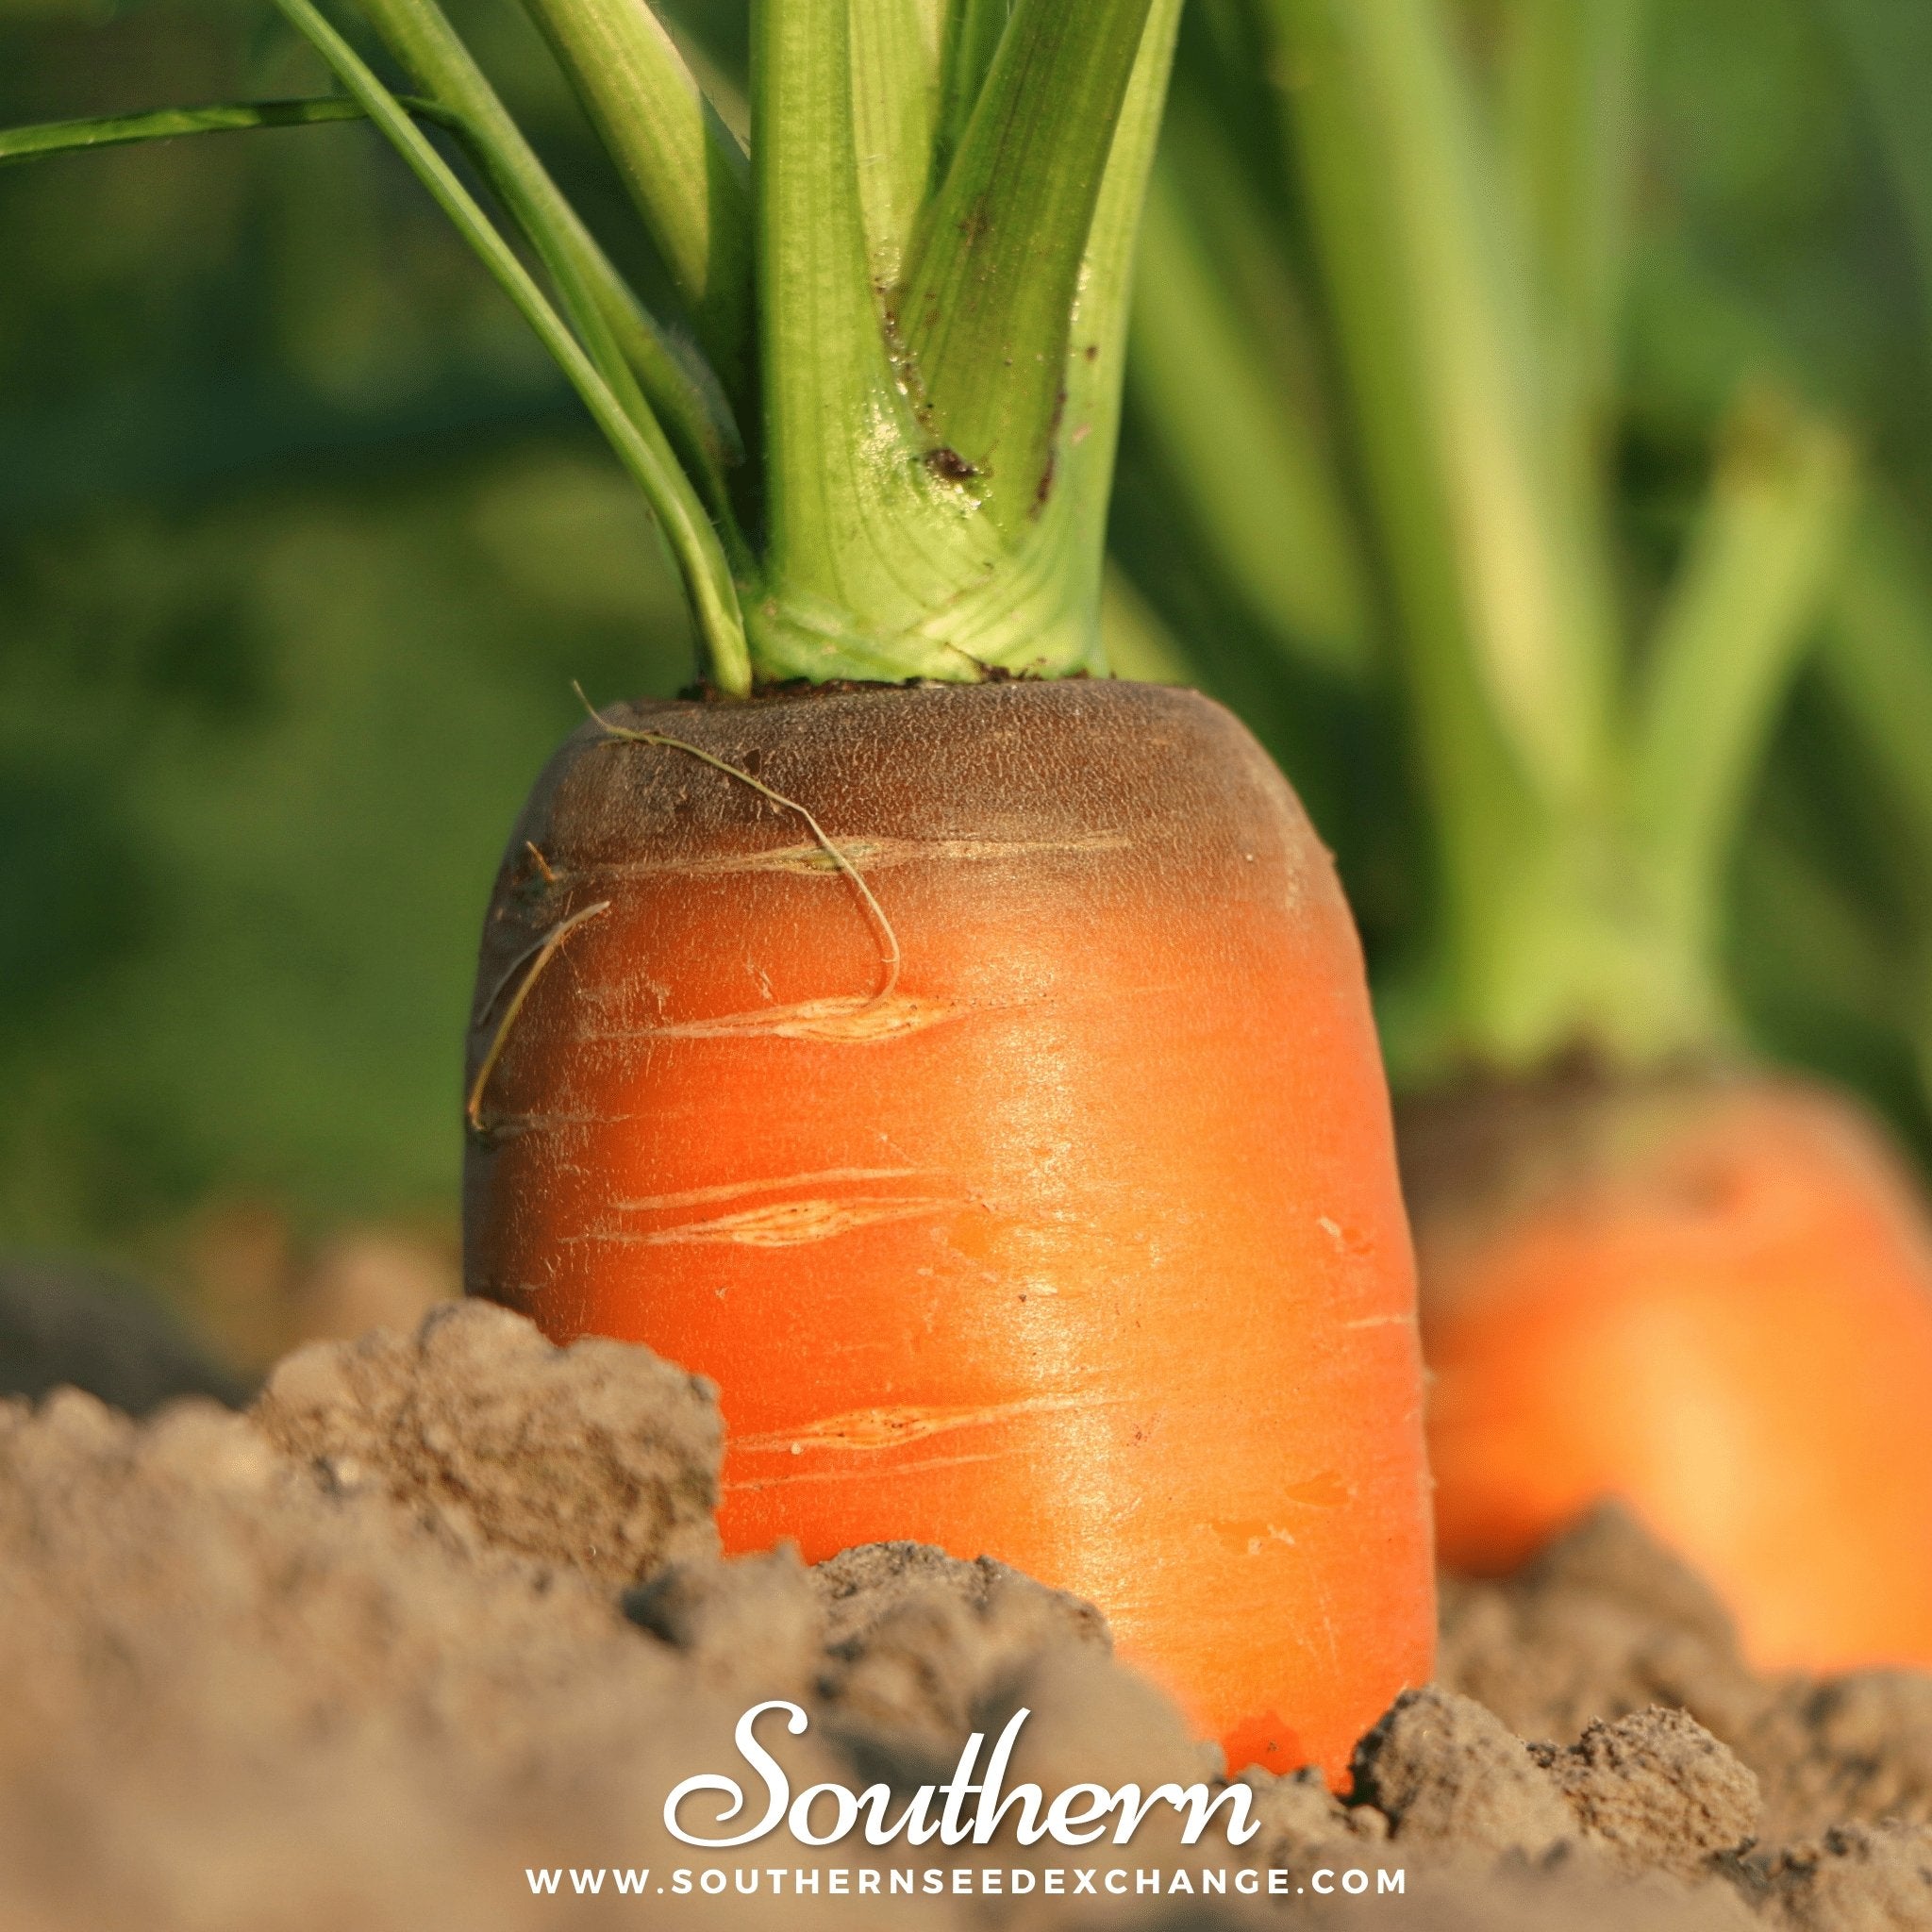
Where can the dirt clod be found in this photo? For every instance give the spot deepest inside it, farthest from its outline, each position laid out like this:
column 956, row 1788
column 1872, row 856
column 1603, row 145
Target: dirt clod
column 1857, row 1878
column 1444, row 1772
column 1656, row 1789
column 599, row 1456
column 1605, row 1622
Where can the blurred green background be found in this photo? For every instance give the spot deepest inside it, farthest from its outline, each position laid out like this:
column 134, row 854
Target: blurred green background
column 302, row 543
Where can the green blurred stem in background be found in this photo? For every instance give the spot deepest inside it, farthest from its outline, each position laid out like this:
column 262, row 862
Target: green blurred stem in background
column 1464, row 245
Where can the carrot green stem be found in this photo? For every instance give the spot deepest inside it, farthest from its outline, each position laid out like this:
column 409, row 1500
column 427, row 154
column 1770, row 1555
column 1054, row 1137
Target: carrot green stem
column 684, row 168
column 1569, row 133
column 169, row 123
column 627, row 424
column 683, row 392
column 885, row 557
column 1743, row 606
column 987, row 311
column 1068, row 538
column 898, row 99
column 864, row 538
column 970, row 41
column 1439, row 318
column 1586, row 797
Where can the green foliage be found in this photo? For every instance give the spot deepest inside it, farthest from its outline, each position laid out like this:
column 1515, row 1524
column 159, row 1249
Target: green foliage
column 301, row 544
column 1448, row 197
column 943, row 190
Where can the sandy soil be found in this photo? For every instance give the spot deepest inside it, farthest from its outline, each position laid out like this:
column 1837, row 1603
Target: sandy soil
column 441, row 1608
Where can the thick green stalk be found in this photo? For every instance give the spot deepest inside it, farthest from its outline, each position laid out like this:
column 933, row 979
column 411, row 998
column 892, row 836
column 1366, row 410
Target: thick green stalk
column 973, row 32
column 620, row 411
column 986, row 314
column 1242, row 442
column 1041, row 613
column 1096, row 351
column 1570, row 115
column 898, row 82
column 882, row 560
column 1741, row 609
column 684, row 168
column 866, row 540
column 678, row 386
column 169, row 123
column 1441, row 329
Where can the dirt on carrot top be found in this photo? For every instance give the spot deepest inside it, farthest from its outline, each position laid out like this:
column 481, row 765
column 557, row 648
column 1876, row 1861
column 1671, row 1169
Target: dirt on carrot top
column 406, row 1639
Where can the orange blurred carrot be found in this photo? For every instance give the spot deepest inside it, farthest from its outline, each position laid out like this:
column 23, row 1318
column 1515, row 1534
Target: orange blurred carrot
column 1712, row 1298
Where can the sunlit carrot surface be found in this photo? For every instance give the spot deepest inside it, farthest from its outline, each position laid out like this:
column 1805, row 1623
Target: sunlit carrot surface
column 1713, row 1299
column 1080, row 1247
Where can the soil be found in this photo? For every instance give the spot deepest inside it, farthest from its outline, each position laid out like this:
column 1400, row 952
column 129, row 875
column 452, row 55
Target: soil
column 442, row 1609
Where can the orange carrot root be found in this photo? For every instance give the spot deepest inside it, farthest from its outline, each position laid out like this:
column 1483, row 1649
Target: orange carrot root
column 1712, row 1299
column 1079, row 1244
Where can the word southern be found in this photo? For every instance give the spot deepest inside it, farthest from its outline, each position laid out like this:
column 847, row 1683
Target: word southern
column 824, row 1814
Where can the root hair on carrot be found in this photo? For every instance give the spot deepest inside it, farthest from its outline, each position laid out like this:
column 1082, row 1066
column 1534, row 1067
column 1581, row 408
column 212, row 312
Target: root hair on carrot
column 547, row 951
column 888, row 939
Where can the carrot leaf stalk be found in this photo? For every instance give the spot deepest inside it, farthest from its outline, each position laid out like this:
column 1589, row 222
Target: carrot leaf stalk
column 1747, row 598
column 88, row 136
column 910, row 544
column 622, row 412
column 1568, row 84
column 684, row 168
column 987, row 311
column 682, row 388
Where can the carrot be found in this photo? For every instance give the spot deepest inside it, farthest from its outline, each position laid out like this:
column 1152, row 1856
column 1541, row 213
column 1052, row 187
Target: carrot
column 1079, row 1246
column 1710, row 1297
